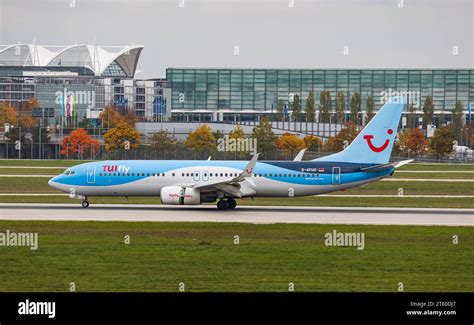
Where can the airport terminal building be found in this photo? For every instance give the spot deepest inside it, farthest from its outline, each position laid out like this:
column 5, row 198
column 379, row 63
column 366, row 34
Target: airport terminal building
column 91, row 77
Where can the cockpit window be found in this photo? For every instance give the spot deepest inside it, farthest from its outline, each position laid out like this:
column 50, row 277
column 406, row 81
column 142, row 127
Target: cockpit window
column 67, row 172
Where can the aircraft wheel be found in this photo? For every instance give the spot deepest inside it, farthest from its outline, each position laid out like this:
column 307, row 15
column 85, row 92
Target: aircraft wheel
column 231, row 203
column 85, row 204
column 222, row 205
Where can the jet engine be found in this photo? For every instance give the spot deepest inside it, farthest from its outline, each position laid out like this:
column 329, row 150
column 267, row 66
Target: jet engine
column 178, row 195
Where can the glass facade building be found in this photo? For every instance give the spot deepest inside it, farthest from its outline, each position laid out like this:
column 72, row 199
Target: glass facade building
column 258, row 90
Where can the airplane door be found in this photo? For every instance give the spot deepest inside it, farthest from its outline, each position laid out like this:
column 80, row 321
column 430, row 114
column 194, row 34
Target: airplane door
column 91, row 174
column 196, row 176
column 205, row 175
column 336, row 175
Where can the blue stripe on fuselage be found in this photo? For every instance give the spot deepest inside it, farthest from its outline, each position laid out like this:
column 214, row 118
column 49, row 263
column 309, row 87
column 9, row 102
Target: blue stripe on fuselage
column 141, row 169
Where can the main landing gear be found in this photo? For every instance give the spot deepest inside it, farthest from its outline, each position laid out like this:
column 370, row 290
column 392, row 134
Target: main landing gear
column 85, row 203
column 230, row 203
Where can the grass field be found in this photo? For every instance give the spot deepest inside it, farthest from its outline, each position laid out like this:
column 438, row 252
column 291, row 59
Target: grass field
column 204, row 257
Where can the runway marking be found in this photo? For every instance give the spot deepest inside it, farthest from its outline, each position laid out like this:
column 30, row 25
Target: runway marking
column 31, row 175
column 242, row 214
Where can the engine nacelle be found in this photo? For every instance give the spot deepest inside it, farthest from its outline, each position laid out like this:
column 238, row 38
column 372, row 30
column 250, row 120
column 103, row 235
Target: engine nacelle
column 178, row 195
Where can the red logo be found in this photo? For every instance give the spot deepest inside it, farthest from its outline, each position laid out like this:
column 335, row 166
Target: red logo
column 374, row 148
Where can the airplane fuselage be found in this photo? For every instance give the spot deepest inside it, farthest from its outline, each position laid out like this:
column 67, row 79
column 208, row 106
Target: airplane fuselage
column 269, row 178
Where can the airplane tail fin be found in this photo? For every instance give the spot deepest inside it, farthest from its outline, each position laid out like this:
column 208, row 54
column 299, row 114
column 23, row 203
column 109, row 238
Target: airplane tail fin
column 373, row 145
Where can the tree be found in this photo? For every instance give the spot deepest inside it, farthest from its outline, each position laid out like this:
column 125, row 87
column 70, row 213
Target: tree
column 355, row 108
column 110, row 117
column 345, row 136
column 411, row 117
column 202, row 140
column 325, row 106
column 122, row 136
column 296, row 108
column 290, row 143
column 428, row 111
column 7, row 115
column 263, row 132
column 340, row 108
column 442, row 142
column 279, row 110
column 237, row 133
column 78, row 144
column 313, row 143
column 163, row 140
column 370, row 108
column 402, row 143
column 310, row 112
column 416, row 142
column 457, row 114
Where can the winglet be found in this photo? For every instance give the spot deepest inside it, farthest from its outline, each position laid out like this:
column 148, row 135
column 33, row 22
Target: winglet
column 248, row 170
column 300, row 154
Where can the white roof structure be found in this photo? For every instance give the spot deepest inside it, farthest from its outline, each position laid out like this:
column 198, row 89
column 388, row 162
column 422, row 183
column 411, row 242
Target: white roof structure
column 94, row 57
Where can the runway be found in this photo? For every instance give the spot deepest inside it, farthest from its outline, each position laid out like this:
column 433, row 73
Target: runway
column 242, row 214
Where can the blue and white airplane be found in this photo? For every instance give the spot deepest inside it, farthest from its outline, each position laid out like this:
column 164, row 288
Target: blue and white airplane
column 189, row 182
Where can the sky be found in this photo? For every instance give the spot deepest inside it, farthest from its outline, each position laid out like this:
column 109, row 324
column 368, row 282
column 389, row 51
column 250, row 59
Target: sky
column 255, row 33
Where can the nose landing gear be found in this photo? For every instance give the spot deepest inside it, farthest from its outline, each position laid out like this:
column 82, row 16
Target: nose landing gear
column 230, row 203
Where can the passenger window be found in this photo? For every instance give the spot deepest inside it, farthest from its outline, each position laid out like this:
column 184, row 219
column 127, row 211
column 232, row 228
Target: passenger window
column 163, row 174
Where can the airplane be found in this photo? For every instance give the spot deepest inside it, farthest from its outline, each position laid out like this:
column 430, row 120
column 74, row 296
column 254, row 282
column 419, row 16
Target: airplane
column 188, row 182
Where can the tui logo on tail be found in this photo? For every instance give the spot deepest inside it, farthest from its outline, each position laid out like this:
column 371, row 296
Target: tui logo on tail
column 369, row 138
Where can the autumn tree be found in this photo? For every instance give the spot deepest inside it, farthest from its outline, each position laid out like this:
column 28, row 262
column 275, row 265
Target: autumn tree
column 313, row 143
column 355, row 108
column 110, row 117
column 163, row 140
column 428, row 111
column 122, row 136
column 370, row 108
column 237, row 133
column 290, row 143
column 340, row 108
column 325, row 106
column 7, row 115
column 202, row 140
column 79, row 143
column 402, row 144
column 416, row 142
column 263, row 132
column 310, row 111
column 442, row 142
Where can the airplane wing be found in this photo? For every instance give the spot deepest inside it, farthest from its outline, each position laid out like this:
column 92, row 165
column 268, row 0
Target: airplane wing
column 300, row 154
column 233, row 185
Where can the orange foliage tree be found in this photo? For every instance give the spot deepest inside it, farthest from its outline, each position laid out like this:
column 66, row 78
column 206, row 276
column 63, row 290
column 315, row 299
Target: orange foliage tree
column 416, row 142
column 290, row 143
column 79, row 143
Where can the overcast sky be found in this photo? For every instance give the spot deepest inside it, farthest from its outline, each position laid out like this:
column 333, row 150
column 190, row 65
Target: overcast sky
column 268, row 33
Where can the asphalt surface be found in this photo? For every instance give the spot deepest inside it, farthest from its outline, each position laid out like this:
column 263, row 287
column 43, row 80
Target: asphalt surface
column 245, row 214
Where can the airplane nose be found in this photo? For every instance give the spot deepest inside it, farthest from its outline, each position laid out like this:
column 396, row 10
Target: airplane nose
column 52, row 183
